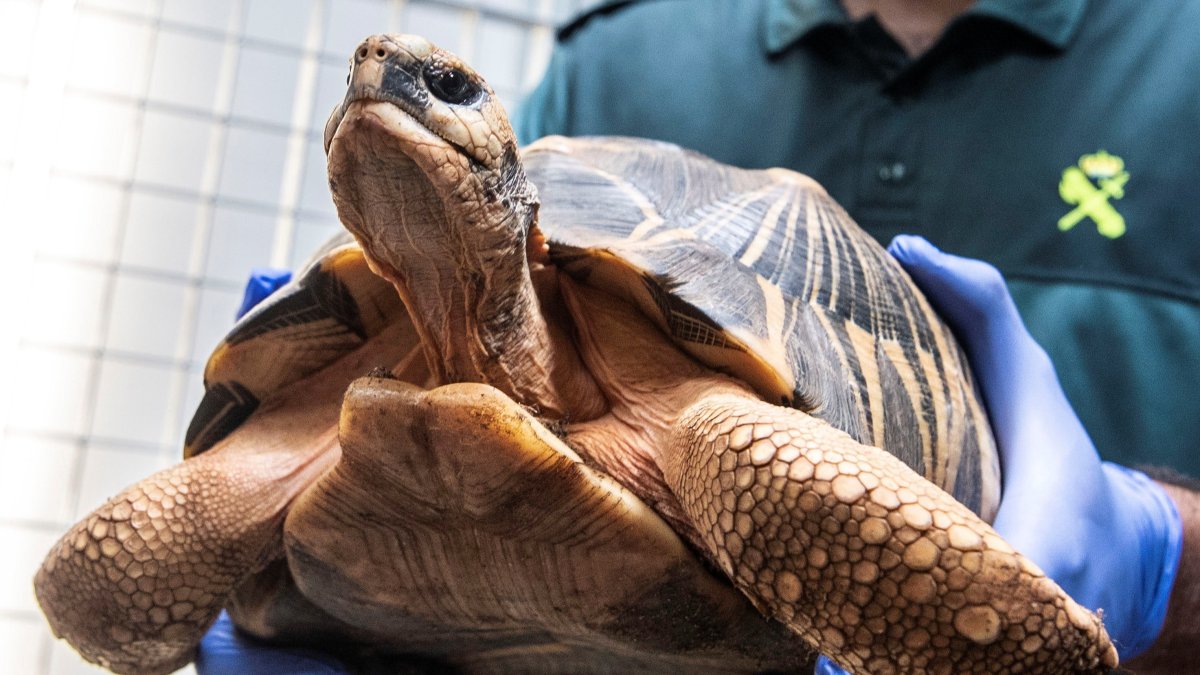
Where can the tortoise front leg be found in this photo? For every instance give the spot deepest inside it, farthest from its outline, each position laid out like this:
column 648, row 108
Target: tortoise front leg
column 868, row 561
column 134, row 586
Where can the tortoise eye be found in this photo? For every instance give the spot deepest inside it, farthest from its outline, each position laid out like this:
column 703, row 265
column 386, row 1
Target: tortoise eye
column 451, row 85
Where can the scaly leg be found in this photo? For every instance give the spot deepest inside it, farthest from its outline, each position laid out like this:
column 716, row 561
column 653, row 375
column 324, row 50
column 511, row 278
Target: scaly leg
column 135, row 584
column 865, row 559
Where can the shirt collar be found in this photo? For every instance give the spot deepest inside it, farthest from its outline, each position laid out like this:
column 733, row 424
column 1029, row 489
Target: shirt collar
column 786, row 21
column 1052, row 21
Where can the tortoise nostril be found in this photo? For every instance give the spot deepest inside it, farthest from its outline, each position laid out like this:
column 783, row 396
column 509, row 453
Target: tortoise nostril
column 380, row 53
column 362, row 54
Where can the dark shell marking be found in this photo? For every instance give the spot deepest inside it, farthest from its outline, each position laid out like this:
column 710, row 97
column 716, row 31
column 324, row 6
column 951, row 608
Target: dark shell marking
column 333, row 307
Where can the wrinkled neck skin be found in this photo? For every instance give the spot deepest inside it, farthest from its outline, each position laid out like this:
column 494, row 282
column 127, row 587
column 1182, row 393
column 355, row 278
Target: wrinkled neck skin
column 458, row 260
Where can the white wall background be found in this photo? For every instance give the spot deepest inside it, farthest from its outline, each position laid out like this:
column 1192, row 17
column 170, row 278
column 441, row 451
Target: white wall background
column 151, row 153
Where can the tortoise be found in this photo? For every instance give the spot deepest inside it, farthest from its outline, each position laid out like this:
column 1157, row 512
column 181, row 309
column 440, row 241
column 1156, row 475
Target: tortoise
column 655, row 412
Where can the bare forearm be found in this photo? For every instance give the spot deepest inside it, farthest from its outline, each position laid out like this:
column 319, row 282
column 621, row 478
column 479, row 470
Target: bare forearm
column 1177, row 648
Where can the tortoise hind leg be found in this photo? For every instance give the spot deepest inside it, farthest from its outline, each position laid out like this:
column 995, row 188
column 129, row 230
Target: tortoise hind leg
column 458, row 526
column 864, row 558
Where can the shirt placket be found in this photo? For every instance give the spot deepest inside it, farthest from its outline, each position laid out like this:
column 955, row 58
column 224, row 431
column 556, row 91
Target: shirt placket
column 890, row 165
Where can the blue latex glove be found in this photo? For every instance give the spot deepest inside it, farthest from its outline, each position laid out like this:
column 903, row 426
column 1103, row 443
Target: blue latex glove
column 223, row 649
column 826, row 667
column 1108, row 535
column 263, row 282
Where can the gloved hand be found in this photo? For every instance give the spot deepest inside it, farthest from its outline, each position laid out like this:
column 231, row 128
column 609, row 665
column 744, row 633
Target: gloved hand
column 826, row 667
column 1108, row 535
column 263, row 282
column 223, row 650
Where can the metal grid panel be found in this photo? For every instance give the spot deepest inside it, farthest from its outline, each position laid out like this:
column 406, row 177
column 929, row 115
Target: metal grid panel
column 151, row 153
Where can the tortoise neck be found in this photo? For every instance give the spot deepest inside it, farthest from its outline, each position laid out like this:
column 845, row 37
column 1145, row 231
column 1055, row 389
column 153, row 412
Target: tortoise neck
column 482, row 325
column 490, row 318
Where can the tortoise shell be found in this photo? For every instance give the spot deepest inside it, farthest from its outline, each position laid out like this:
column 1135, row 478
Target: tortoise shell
column 757, row 273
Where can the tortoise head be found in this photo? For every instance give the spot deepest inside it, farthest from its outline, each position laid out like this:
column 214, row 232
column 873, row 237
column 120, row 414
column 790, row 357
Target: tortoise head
column 425, row 173
column 423, row 163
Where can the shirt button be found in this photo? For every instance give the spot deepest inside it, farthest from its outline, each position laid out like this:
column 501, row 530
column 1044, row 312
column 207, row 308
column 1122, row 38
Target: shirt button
column 893, row 172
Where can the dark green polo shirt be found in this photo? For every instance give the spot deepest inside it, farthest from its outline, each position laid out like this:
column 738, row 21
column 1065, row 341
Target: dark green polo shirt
column 977, row 145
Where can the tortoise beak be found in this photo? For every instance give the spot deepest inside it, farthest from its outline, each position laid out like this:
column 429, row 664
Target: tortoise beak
column 384, row 68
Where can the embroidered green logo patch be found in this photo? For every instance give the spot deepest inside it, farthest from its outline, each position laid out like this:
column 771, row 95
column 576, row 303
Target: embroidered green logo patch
column 1088, row 187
